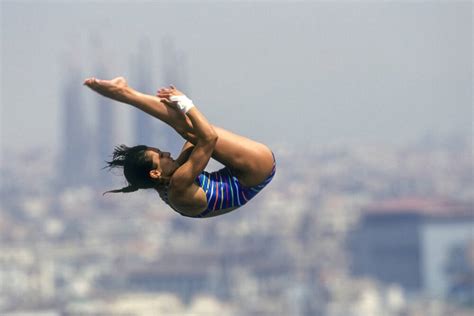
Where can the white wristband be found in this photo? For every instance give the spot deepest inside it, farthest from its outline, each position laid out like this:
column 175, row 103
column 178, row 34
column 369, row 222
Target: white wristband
column 183, row 102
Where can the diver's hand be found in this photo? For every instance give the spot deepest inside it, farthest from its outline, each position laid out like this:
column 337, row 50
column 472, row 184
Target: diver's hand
column 166, row 93
column 173, row 97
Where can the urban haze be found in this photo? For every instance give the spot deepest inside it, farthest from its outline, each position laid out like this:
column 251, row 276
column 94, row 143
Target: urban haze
column 367, row 107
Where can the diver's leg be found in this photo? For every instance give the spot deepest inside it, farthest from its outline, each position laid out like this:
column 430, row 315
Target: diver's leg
column 251, row 161
column 118, row 90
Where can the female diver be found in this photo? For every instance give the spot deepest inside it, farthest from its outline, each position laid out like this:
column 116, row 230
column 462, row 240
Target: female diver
column 182, row 183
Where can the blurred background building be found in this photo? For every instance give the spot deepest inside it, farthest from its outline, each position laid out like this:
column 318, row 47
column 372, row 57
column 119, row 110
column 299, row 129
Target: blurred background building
column 144, row 126
column 416, row 243
column 76, row 134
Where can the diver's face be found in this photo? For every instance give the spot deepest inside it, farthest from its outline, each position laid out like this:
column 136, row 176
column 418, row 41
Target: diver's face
column 162, row 161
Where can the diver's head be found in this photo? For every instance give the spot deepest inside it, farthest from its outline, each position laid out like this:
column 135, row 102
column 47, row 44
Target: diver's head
column 163, row 165
column 143, row 167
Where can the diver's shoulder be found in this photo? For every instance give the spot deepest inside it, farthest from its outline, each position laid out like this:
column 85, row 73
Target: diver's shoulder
column 191, row 200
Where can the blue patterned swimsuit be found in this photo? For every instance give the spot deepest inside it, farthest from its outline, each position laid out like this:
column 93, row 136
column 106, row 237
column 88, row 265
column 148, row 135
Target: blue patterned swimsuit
column 223, row 190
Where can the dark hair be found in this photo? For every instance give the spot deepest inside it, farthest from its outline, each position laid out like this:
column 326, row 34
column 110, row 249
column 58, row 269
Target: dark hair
column 136, row 167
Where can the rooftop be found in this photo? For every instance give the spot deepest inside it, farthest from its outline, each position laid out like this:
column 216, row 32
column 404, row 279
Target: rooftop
column 431, row 207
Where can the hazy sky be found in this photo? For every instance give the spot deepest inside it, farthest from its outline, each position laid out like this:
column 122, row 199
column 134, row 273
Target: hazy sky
column 300, row 72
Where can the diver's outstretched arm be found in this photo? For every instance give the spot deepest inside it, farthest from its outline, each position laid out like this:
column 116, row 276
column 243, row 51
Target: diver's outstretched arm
column 185, row 153
column 186, row 174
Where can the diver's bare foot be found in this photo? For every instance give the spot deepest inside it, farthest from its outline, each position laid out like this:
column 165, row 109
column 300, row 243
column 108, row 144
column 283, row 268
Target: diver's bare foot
column 113, row 89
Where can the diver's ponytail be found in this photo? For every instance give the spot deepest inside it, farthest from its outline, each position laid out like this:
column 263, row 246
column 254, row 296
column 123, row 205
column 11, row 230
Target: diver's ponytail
column 136, row 167
column 128, row 189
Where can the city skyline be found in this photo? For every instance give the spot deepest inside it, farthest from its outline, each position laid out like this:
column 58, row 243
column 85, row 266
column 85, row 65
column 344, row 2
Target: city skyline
column 284, row 253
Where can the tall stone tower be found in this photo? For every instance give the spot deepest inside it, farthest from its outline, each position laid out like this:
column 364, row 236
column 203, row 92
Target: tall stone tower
column 144, row 126
column 75, row 135
column 106, row 127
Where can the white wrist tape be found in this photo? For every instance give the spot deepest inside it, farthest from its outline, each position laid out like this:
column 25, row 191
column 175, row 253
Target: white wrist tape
column 183, row 102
